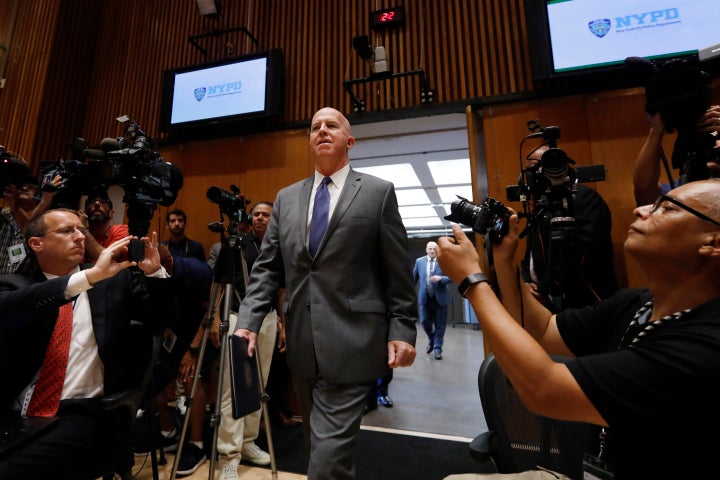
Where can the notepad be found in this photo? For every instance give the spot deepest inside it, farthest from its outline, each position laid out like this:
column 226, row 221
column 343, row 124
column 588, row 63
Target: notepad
column 244, row 378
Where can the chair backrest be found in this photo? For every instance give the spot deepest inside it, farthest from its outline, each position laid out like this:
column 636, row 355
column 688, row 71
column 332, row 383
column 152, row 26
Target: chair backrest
column 522, row 440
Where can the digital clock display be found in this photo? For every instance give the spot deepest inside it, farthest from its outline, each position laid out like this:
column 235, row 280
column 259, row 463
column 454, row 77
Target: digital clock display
column 387, row 17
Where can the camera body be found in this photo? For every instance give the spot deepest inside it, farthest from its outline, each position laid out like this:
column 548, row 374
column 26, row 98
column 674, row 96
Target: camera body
column 232, row 203
column 145, row 176
column 491, row 216
column 680, row 91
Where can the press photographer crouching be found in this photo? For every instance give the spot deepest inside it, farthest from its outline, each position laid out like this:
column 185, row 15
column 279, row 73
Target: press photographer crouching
column 646, row 363
column 66, row 342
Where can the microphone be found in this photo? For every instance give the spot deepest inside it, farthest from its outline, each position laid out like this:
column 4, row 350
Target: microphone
column 109, row 144
column 94, row 153
column 106, row 145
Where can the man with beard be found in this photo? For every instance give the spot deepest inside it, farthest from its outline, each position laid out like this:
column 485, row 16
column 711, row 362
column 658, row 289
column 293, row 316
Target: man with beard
column 179, row 244
column 99, row 212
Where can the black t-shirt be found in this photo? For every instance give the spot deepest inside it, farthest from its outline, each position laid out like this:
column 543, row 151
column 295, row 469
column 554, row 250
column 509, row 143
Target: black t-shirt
column 659, row 396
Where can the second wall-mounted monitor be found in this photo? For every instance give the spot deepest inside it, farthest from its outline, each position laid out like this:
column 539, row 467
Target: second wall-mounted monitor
column 589, row 36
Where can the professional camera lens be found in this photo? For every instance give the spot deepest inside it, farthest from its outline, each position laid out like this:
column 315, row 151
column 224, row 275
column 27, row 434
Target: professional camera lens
column 490, row 216
column 554, row 163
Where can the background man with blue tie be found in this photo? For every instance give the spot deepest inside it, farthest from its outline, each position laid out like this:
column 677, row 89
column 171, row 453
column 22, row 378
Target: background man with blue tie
column 433, row 298
column 350, row 316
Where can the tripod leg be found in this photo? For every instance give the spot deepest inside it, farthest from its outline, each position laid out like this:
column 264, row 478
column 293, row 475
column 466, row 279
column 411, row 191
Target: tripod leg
column 216, row 294
column 264, row 397
column 217, row 414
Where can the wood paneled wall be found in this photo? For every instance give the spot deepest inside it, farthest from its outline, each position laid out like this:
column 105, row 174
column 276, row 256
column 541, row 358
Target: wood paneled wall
column 75, row 65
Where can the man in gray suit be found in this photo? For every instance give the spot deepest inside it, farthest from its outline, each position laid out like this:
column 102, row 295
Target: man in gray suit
column 433, row 297
column 350, row 308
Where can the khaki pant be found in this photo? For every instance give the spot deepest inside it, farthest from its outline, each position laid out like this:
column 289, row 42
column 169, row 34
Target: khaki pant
column 233, row 433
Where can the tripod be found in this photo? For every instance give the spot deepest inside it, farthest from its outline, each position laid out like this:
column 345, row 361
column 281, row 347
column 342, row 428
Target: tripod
column 223, row 290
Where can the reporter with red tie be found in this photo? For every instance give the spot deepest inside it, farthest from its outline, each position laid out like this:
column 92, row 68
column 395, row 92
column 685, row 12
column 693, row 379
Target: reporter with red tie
column 65, row 342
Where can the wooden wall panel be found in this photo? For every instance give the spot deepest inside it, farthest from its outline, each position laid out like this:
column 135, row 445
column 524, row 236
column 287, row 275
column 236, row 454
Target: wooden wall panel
column 76, row 65
column 258, row 165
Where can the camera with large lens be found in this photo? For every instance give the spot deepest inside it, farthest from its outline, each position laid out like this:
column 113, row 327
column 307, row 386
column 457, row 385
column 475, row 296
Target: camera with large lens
column 680, row 91
column 491, row 216
column 232, row 203
column 129, row 161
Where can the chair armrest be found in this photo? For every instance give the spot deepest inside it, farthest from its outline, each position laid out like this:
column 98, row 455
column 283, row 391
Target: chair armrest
column 126, row 398
column 481, row 453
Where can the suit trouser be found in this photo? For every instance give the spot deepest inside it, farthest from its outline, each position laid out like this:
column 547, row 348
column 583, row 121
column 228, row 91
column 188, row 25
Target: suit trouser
column 331, row 420
column 433, row 318
column 233, row 433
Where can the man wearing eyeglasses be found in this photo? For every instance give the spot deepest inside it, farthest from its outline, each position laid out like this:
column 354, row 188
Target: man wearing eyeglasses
column 645, row 363
column 96, row 305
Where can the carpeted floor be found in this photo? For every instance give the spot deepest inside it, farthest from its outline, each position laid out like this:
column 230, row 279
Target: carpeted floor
column 381, row 455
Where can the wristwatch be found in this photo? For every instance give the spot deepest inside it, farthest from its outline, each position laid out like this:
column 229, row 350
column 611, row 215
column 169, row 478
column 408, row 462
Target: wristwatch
column 471, row 280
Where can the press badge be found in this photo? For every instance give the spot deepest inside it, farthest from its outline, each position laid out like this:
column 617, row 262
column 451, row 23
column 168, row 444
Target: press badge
column 16, row 253
column 595, row 468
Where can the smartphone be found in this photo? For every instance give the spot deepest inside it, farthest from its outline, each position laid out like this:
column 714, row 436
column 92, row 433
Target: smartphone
column 136, row 250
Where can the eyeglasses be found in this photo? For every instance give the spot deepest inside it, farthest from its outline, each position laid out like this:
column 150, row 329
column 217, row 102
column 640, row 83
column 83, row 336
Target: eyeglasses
column 67, row 231
column 666, row 198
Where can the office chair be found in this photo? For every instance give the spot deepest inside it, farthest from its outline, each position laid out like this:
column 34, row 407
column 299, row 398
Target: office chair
column 124, row 406
column 517, row 439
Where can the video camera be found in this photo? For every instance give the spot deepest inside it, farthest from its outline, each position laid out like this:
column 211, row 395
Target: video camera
column 554, row 177
column 548, row 191
column 680, row 91
column 130, row 162
column 232, row 204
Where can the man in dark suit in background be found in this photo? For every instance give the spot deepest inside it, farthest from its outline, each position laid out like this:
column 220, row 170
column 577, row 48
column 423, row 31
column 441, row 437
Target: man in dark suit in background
column 350, row 307
column 433, row 297
column 100, row 302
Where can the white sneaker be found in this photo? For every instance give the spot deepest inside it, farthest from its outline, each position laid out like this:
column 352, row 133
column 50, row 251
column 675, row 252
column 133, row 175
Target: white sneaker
column 228, row 469
column 254, row 454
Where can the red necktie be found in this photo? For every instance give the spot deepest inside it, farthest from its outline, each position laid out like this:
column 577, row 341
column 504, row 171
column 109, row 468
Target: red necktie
column 48, row 388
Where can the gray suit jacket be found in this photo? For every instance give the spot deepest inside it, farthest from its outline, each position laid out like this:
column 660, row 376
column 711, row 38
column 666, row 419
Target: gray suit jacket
column 342, row 307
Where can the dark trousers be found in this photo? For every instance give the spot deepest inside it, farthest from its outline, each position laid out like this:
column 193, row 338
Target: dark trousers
column 433, row 318
column 77, row 446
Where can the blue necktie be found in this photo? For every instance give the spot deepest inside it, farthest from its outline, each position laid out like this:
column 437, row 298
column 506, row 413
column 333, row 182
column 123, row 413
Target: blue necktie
column 319, row 221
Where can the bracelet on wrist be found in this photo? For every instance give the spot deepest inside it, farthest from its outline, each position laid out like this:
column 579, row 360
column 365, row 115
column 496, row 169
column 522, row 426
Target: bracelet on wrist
column 471, row 280
column 193, row 350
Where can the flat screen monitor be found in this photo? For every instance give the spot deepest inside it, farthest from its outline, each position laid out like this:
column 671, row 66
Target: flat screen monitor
column 225, row 91
column 571, row 36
